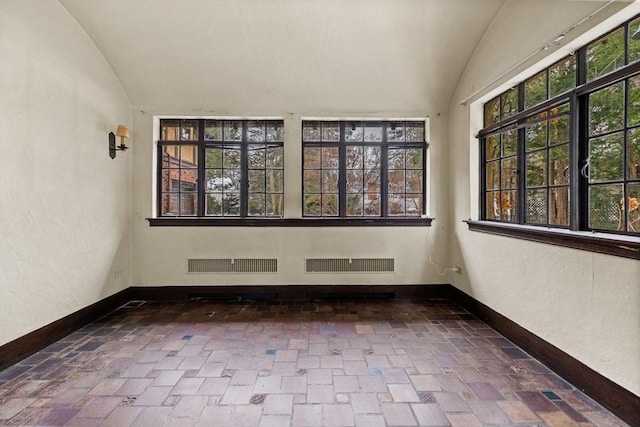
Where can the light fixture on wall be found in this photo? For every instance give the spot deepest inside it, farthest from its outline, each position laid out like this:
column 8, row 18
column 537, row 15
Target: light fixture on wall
column 636, row 35
column 122, row 132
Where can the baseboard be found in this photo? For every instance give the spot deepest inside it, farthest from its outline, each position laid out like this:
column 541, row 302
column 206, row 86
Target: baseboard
column 617, row 399
column 20, row 348
column 620, row 401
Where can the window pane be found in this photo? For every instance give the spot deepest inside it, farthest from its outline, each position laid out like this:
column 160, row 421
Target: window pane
column 330, row 157
column 312, row 158
column 559, row 206
column 330, row 181
column 256, row 154
column 562, row 76
column 493, row 176
column 372, row 157
column 188, row 204
column 189, row 130
column 188, row 179
column 312, row 205
column 396, row 159
column 396, row 181
column 537, row 169
column 354, row 181
column 216, row 181
column 275, row 131
column 634, row 45
column 559, row 164
column 256, row 131
column 189, row 156
column 231, row 180
column 536, row 136
column 537, row 206
column 413, row 204
column 414, row 158
column 329, row 204
column 492, row 112
column 275, row 180
column 256, row 181
column 509, row 103
column 170, row 130
column 331, row 131
column 231, row 204
column 372, row 180
column 605, row 211
column 559, row 130
column 214, row 204
column 274, row 204
column 231, row 158
column 606, row 109
column 535, row 90
column 396, row 205
column 606, row 156
column 170, row 204
column 493, row 205
column 354, row 157
column 492, row 147
column 415, row 132
column 312, row 181
column 509, row 143
column 256, row 204
column 605, row 55
column 355, row 205
column 353, row 131
column 395, row 132
column 311, row 131
column 509, row 173
column 213, row 158
column 233, row 131
column 372, row 204
column 633, row 109
column 373, row 132
column 213, row 130
column 414, row 181
column 633, row 199
column 633, row 154
column 509, row 206
column 275, row 157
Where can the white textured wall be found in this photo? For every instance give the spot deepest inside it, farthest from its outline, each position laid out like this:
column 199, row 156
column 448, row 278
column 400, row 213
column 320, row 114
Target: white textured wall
column 584, row 303
column 160, row 253
column 64, row 204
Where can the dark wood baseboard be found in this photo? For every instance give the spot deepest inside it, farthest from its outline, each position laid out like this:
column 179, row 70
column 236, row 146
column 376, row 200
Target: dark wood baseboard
column 20, row 348
column 617, row 399
column 620, row 401
column 290, row 292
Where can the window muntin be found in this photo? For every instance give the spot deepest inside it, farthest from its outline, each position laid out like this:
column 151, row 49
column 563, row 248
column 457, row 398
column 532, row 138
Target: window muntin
column 241, row 175
column 363, row 169
column 586, row 141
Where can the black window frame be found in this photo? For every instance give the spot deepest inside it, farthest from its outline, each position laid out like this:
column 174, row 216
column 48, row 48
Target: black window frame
column 385, row 146
column 624, row 242
column 202, row 144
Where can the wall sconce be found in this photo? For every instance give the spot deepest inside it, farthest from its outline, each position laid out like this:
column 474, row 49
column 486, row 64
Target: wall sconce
column 122, row 132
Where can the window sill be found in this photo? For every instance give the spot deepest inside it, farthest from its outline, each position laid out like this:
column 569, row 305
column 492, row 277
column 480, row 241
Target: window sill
column 616, row 245
column 288, row 222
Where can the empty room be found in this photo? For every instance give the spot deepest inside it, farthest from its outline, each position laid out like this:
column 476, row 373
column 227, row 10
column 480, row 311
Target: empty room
column 320, row 213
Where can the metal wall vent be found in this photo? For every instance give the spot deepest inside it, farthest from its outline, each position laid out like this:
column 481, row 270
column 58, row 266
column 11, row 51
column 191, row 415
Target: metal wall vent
column 350, row 265
column 233, row 265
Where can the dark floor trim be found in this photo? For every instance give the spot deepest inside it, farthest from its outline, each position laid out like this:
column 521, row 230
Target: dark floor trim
column 20, row 348
column 289, row 292
column 620, row 401
column 617, row 399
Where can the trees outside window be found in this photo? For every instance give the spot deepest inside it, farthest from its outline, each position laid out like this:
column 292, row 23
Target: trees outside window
column 568, row 154
column 363, row 169
column 221, row 168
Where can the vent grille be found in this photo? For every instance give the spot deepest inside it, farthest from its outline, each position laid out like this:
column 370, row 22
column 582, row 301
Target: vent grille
column 233, row 265
column 350, row 265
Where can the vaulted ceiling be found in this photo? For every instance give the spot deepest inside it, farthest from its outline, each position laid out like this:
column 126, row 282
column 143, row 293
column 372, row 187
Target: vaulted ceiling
column 270, row 55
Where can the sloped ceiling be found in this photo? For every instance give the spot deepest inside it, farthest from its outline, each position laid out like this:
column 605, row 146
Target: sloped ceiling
column 277, row 55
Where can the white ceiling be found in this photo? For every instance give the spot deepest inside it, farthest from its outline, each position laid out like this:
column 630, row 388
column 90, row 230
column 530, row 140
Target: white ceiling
column 284, row 55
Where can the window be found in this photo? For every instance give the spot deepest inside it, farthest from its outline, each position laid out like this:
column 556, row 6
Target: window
column 363, row 169
column 562, row 149
column 220, row 168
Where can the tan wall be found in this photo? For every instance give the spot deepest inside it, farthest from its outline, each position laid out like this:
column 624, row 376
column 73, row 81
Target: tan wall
column 584, row 303
column 64, row 204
